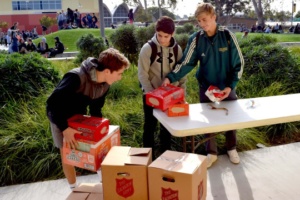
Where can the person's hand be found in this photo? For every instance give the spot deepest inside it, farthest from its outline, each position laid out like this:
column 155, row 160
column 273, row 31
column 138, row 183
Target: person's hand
column 166, row 82
column 226, row 93
column 69, row 137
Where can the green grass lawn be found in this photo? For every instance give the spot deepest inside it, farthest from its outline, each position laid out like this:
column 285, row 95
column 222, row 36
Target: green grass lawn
column 70, row 37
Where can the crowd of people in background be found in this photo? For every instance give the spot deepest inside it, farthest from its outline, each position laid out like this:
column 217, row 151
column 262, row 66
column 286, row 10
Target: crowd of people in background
column 74, row 19
column 269, row 29
column 21, row 42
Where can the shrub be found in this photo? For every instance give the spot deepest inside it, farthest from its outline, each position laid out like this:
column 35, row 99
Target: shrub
column 182, row 40
column 144, row 34
column 25, row 76
column 124, row 40
column 89, row 46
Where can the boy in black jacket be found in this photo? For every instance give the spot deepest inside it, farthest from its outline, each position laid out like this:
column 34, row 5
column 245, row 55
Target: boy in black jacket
column 81, row 89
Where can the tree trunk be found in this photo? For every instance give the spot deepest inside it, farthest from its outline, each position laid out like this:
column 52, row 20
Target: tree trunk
column 259, row 12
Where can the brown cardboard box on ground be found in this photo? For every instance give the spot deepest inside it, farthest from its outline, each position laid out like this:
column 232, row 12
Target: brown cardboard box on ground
column 87, row 191
column 93, row 154
column 124, row 173
column 177, row 175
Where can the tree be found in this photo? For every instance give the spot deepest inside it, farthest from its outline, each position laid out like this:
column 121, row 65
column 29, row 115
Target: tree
column 160, row 3
column 142, row 16
column 154, row 11
column 226, row 9
column 297, row 15
column 260, row 6
column 48, row 21
column 3, row 24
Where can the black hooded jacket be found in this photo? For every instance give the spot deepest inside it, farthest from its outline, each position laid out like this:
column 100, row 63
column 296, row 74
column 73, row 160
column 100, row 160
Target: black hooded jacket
column 75, row 93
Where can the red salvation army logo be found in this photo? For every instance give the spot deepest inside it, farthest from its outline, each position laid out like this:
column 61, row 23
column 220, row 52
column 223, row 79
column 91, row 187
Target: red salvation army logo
column 200, row 190
column 124, row 187
column 169, row 194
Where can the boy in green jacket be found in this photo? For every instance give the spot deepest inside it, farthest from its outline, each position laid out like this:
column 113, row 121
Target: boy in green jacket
column 221, row 65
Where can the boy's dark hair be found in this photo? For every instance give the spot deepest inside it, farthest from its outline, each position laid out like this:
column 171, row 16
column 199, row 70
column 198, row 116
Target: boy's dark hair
column 165, row 24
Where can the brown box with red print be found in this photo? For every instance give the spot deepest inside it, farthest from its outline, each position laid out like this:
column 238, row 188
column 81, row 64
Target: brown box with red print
column 89, row 155
column 124, row 173
column 164, row 96
column 177, row 175
column 92, row 128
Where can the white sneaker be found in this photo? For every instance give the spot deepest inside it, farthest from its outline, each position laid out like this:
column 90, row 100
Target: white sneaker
column 211, row 158
column 233, row 156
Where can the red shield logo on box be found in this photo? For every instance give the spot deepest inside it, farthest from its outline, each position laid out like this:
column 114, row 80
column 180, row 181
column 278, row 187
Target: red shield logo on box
column 200, row 190
column 169, row 194
column 124, row 187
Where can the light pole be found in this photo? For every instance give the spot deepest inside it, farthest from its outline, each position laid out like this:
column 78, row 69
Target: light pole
column 102, row 25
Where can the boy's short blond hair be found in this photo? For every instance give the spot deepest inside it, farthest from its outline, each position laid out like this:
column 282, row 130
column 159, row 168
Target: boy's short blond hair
column 204, row 8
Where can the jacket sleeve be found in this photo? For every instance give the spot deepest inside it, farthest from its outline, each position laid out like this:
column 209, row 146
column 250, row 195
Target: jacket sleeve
column 182, row 81
column 60, row 97
column 187, row 62
column 237, row 63
column 144, row 67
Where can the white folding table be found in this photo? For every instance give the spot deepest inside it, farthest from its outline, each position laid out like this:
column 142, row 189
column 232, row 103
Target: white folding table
column 242, row 113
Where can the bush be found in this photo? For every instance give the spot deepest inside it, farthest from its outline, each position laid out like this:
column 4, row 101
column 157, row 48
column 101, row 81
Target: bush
column 124, row 40
column 182, row 40
column 25, row 76
column 89, row 46
column 144, row 34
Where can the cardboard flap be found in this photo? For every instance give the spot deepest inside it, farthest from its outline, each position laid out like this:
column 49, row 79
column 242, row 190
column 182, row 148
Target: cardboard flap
column 89, row 187
column 138, row 156
column 77, row 196
column 139, row 151
column 177, row 162
column 94, row 196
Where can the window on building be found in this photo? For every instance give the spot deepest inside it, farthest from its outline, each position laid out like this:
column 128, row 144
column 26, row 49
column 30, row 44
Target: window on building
column 36, row 5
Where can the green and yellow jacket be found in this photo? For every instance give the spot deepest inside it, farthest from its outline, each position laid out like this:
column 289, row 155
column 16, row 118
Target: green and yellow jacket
column 221, row 60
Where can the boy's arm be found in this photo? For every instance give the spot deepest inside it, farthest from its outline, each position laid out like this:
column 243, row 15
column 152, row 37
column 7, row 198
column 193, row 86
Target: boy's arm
column 187, row 62
column 96, row 106
column 182, row 81
column 144, row 67
column 237, row 63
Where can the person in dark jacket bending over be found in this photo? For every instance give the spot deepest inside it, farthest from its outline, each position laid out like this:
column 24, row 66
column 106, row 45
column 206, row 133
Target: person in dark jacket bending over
column 81, row 89
column 221, row 65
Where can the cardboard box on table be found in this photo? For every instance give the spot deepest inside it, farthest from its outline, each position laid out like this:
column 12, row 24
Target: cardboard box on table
column 94, row 153
column 124, row 173
column 87, row 191
column 178, row 176
column 92, row 128
column 164, row 96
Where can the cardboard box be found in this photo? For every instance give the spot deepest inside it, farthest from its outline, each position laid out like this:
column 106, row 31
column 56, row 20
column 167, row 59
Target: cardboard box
column 163, row 97
column 177, row 175
column 124, row 173
column 92, row 128
column 87, row 191
column 178, row 109
column 94, row 154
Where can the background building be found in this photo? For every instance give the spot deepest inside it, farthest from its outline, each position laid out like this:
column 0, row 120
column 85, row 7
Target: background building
column 29, row 12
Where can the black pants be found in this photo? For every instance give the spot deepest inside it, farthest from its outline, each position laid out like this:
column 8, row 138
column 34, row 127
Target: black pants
column 211, row 145
column 150, row 125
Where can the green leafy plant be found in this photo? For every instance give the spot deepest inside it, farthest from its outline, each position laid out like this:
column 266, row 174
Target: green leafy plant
column 89, row 46
column 24, row 76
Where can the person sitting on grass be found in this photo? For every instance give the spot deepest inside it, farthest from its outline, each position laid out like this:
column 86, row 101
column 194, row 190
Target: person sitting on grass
column 22, row 46
column 43, row 48
column 82, row 89
column 59, row 48
column 30, row 47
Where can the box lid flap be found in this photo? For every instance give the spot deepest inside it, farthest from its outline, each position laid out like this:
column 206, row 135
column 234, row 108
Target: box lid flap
column 78, row 196
column 89, row 187
column 138, row 156
column 178, row 162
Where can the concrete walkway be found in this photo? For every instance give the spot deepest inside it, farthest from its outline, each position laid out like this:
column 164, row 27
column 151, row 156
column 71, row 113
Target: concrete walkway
column 263, row 174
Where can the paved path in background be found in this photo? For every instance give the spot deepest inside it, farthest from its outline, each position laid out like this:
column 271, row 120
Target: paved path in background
column 263, row 174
